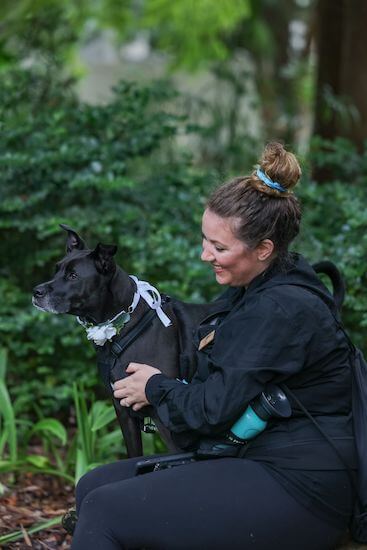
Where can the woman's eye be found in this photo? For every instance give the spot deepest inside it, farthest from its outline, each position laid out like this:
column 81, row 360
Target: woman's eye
column 219, row 249
column 72, row 275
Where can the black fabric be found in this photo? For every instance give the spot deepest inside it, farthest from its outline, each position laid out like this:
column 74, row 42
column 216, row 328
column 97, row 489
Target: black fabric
column 186, row 316
column 280, row 332
column 359, row 369
column 208, row 505
column 358, row 366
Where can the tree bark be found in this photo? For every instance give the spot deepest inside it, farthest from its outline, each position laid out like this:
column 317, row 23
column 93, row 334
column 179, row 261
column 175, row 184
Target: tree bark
column 341, row 91
column 353, row 74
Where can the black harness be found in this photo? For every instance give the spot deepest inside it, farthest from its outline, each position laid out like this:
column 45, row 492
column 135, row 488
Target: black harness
column 108, row 355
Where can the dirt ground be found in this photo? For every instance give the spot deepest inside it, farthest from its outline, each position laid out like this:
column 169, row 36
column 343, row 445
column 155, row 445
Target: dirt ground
column 34, row 499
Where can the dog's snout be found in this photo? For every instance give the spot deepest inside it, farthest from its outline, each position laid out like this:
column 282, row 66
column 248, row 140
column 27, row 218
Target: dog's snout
column 39, row 291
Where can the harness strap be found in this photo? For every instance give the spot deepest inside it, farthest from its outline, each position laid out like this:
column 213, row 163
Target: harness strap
column 124, row 341
column 107, row 362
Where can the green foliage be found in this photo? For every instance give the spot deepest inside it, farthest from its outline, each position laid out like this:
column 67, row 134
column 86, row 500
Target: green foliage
column 93, row 443
column 15, row 438
column 335, row 222
column 8, row 430
column 109, row 171
column 93, row 448
column 193, row 30
column 45, row 29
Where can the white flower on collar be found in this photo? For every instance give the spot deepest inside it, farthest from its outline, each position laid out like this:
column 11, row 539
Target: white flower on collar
column 106, row 331
column 101, row 333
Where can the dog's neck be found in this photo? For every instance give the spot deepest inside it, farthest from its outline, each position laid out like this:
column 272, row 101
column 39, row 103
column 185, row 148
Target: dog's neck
column 116, row 297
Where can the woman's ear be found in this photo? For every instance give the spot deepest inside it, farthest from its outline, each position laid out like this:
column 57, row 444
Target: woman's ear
column 265, row 250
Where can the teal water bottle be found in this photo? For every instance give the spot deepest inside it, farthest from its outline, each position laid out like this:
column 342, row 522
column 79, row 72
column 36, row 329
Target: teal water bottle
column 272, row 402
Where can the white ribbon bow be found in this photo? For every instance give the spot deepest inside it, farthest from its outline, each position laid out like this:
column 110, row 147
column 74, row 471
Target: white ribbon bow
column 152, row 297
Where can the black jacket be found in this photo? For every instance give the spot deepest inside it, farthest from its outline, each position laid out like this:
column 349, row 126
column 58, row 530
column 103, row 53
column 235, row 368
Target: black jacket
column 277, row 331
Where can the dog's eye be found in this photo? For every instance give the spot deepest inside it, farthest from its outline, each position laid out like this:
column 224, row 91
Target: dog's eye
column 72, row 275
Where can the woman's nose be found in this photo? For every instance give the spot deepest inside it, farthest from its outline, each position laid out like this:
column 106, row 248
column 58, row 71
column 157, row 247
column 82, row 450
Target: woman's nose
column 206, row 255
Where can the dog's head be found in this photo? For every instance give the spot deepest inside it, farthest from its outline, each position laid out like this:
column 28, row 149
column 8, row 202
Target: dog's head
column 81, row 278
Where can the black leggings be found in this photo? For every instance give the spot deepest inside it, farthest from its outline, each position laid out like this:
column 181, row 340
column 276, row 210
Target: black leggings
column 208, row 505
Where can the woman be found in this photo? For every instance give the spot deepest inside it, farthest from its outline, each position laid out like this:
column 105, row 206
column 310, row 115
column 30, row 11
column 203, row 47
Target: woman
column 290, row 490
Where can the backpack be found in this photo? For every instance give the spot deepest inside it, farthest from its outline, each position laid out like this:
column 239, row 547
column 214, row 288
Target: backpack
column 358, row 364
column 358, row 527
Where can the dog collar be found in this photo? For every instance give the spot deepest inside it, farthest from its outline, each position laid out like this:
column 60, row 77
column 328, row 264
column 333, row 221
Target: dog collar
column 108, row 329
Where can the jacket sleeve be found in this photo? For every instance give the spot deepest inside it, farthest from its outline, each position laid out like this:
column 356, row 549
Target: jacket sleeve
column 251, row 348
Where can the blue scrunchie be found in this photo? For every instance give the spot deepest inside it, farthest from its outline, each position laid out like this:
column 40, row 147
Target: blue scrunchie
column 270, row 183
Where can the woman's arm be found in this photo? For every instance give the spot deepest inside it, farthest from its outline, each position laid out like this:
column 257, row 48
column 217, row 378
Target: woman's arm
column 250, row 349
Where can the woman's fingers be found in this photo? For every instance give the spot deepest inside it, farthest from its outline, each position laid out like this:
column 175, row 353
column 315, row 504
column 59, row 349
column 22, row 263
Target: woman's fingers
column 135, row 367
column 118, row 384
column 136, row 406
column 140, row 405
column 120, row 393
column 131, row 389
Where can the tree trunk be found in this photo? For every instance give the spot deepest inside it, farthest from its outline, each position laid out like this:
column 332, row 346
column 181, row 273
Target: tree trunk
column 353, row 74
column 341, row 96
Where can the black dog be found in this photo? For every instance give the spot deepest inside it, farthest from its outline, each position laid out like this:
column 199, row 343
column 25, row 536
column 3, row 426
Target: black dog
column 89, row 285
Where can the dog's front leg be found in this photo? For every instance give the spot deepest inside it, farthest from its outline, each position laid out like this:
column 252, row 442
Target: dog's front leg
column 130, row 428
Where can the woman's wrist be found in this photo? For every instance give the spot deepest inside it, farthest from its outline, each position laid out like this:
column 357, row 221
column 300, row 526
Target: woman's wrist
column 152, row 385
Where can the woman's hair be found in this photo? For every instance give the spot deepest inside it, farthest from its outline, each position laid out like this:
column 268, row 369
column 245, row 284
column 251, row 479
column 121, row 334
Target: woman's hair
column 263, row 212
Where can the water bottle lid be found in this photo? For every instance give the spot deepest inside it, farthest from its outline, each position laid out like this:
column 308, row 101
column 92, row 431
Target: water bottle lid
column 272, row 402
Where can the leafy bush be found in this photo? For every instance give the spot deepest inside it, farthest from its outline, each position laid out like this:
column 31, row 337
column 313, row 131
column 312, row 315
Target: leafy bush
column 335, row 223
column 92, row 444
column 111, row 172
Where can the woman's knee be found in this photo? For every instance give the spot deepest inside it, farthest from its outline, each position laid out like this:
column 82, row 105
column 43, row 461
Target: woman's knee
column 97, row 519
column 85, row 485
column 103, row 475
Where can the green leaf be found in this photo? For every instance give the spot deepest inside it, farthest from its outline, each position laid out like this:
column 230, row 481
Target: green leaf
column 101, row 415
column 8, row 465
column 3, row 363
column 9, row 426
column 81, row 466
column 53, row 427
column 39, row 461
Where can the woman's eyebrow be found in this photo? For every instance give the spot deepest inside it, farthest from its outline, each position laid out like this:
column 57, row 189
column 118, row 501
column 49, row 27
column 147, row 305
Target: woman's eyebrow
column 213, row 240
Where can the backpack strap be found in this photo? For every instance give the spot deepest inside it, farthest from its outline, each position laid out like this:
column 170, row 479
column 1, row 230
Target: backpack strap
column 349, row 470
column 358, row 366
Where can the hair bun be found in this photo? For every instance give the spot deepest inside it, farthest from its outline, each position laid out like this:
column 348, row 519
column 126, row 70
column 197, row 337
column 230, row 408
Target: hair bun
column 280, row 166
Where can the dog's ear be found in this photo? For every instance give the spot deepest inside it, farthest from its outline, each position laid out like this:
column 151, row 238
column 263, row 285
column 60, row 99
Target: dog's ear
column 103, row 258
column 74, row 242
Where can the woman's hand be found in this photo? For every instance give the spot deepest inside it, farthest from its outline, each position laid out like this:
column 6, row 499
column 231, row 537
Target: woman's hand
column 131, row 390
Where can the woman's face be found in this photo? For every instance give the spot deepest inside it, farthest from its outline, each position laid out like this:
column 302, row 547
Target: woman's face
column 233, row 262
